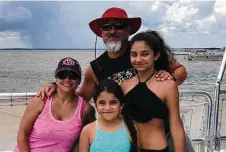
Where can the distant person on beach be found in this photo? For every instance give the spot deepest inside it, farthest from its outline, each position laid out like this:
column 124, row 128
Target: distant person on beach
column 109, row 132
column 56, row 123
column 148, row 102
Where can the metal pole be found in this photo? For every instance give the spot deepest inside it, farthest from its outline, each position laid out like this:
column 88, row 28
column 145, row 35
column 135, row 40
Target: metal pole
column 217, row 111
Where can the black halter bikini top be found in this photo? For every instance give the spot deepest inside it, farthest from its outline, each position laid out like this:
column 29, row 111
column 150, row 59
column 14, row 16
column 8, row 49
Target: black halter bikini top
column 142, row 105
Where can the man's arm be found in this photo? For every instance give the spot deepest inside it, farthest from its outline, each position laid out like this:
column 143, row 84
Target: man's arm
column 88, row 114
column 88, row 87
column 47, row 90
column 179, row 72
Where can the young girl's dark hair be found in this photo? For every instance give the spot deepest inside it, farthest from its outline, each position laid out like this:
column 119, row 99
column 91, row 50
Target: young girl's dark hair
column 157, row 44
column 109, row 86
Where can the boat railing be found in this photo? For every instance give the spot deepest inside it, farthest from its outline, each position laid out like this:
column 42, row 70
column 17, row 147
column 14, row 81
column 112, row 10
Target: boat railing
column 193, row 103
column 195, row 111
column 197, row 126
column 12, row 98
column 214, row 139
column 218, row 107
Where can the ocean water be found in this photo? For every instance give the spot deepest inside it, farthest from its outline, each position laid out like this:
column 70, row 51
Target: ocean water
column 27, row 71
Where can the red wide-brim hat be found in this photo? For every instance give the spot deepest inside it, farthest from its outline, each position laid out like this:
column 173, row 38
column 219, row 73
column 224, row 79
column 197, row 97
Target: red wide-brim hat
column 115, row 13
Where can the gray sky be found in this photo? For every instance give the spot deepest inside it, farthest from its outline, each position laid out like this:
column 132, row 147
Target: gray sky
column 60, row 24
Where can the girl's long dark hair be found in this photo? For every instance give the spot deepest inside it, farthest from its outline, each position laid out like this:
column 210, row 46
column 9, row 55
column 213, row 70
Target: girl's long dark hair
column 158, row 45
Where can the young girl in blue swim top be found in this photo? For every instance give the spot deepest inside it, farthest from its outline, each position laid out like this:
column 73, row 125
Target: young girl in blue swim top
column 109, row 132
column 151, row 103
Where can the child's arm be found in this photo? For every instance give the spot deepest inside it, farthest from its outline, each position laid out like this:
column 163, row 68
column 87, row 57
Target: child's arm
column 88, row 114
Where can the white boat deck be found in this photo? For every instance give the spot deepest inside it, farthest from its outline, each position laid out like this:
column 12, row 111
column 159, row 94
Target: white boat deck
column 10, row 117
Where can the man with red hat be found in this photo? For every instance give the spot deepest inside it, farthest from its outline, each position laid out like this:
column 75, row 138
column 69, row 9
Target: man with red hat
column 114, row 27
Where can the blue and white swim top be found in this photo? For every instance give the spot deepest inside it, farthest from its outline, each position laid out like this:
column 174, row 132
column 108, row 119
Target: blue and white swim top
column 117, row 141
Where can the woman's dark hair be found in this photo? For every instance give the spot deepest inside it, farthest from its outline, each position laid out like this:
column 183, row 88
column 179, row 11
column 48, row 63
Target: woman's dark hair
column 158, row 45
column 109, row 86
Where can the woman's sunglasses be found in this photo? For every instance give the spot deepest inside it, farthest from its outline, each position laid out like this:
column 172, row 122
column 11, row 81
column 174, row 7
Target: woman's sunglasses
column 67, row 74
column 117, row 26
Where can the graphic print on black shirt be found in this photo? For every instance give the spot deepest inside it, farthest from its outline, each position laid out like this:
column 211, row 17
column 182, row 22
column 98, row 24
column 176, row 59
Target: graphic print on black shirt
column 119, row 69
column 123, row 75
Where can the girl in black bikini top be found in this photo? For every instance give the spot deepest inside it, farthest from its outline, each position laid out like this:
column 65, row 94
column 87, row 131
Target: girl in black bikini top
column 143, row 105
column 149, row 54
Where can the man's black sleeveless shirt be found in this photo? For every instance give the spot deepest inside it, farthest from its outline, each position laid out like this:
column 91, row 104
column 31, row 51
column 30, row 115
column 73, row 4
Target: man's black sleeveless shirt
column 119, row 69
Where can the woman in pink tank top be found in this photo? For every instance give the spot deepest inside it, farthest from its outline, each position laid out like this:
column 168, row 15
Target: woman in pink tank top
column 55, row 124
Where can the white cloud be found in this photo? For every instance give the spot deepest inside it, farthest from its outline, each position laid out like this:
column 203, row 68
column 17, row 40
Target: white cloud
column 14, row 13
column 206, row 25
column 219, row 7
column 220, row 14
column 10, row 39
column 19, row 13
column 180, row 12
column 197, row 19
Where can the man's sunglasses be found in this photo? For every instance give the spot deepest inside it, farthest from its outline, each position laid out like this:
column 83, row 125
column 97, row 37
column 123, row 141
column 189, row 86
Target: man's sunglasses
column 117, row 26
column 67, row 74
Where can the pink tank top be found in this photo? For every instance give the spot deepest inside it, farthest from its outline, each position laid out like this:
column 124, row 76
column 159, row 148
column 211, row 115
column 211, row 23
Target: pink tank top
column 52, row 135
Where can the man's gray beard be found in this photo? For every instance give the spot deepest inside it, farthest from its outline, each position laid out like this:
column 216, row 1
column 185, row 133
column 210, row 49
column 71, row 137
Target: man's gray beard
column 113, row 47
